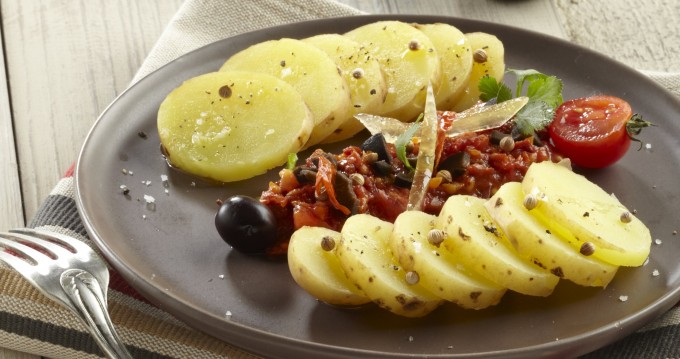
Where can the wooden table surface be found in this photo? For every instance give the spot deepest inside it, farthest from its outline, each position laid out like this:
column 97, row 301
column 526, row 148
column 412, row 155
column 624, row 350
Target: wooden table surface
column 65, row 61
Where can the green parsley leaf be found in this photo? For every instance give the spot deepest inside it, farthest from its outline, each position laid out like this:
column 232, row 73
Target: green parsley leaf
column 490, row 89
column 534, row 116
column 548, row 90
column 544, row 93
column 404, row 139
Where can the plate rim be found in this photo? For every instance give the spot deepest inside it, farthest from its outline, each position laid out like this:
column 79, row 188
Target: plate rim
column 244, row 333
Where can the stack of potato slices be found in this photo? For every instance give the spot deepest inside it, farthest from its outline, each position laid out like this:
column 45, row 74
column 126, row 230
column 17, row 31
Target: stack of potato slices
column 210, row 124
column 553, row 225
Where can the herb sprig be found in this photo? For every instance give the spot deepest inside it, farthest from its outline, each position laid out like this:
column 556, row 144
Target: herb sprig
column 404, row 139
column 544, row 93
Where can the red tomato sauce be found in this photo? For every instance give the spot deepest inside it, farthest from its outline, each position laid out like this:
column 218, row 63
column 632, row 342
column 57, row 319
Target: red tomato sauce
column 298, row 203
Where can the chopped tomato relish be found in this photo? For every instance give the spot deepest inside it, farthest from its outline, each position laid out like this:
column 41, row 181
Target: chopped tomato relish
column 363, row 183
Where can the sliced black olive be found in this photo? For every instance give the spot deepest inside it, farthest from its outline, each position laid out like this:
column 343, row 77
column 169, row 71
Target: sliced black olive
column 377, row 144
column 496, row 137
column 329, row 156
column 456, row 164
column 412, row 160
column 516, row 134
column 382, row 168
column 404, row 179
column 538, row 141
column 305, row 174
column 344, row 192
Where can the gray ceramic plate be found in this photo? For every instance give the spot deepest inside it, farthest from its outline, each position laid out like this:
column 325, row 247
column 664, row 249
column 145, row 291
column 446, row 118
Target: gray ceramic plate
column 174, row 257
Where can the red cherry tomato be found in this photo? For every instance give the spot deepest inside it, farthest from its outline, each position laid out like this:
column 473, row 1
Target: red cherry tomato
column 592, row 131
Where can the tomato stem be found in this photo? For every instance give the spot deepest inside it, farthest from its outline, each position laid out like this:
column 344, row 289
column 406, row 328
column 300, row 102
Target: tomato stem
column 634, row 127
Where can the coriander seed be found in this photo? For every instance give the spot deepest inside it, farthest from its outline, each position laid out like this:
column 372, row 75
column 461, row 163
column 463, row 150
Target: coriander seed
column 327, row 243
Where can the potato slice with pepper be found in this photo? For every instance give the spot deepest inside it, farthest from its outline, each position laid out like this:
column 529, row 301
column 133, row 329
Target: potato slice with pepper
column 483, row 247
column 366, row 258
column 572, row 206
column 309, row 70
column 314, row 266
column 455, row 56
column 228, row 126
column 409, row 61
column 538, row 244
column 415, row 242
column 363, row 75
column 488, row 55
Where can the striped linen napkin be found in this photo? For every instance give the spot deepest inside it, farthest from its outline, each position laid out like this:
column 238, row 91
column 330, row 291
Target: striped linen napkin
column 29, row 322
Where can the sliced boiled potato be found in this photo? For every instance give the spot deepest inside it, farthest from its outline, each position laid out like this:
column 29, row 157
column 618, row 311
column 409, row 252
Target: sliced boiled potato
column 538, row 244
column 317, row 270
column 309, row 70
column 409, row 61
column 455, row 57
column 482, row 246
column 363, row 75
column 228, row 126
column 366, row 258
column 572, row 206
column 489, row 61
column 439, row 271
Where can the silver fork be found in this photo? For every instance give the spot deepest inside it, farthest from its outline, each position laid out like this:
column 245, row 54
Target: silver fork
column 69, row 272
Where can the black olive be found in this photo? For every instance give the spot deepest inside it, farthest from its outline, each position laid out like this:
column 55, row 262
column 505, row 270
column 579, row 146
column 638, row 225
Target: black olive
column 330, row 157
column 344, row 192
column 456, row 164
column 497, row 136
column 305, row 174
column 538, row 141
column 246, row 224
column 412, row 160
column 377, row 144
column 516, row 134
column 404, row 179
column 383, row 168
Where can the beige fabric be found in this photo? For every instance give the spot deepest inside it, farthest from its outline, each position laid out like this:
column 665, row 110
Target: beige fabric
column 200, row 22
column 669, row 80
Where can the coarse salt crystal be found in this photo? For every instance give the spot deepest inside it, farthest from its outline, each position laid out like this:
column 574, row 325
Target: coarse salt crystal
column 150, row 202
column 658, row 241
column 623, row 298
column 655, row 273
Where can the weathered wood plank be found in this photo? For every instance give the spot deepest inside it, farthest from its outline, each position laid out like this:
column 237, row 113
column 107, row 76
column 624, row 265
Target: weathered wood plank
column 66, row 62
column 11, row 214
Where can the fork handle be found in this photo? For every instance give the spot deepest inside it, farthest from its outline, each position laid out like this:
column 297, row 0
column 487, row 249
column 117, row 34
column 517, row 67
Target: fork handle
column 89, row 300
